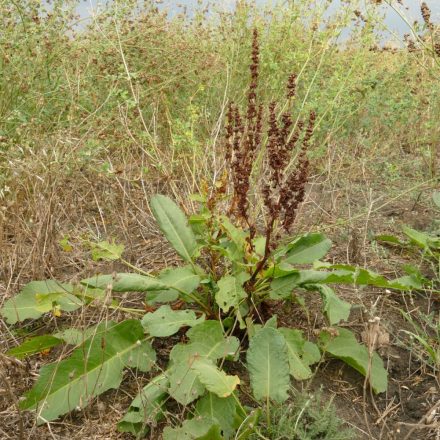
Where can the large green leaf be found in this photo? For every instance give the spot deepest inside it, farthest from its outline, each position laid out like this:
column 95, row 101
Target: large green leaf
column 268, row 365
column 185, row 386
column 207, row 341
column 299, row 367
column 223, row 411
column 347, row 348
column 307, row 249
column 199, row 428
column 231, row 292
column 182, row 278
column 215, row 380
column 34, row 345
column 166, row 322
column 174, row 225
column 146, row 407
column 39, row 297
column 335, row 308
column 125, row 282
column 92, row 369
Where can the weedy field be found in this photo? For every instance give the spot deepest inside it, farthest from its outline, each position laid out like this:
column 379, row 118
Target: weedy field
column 218, row 224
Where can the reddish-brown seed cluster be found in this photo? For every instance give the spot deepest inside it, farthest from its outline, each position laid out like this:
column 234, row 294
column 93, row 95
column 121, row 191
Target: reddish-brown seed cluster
column 243, row 139
column 410, row 44
column 437, row 49
column 426, row 14
column 282, row 189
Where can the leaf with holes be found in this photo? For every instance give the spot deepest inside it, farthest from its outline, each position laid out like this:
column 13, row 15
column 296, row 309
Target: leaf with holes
column 166, row 322
column 125, row 282
column 268, row 365
column 174, row 225
column 223, row 411
column 231, row 292
column 91, row 370
column 39, row 297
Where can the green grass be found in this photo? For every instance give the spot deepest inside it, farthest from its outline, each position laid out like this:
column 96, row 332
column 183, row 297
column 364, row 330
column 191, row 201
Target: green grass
column 307, row 417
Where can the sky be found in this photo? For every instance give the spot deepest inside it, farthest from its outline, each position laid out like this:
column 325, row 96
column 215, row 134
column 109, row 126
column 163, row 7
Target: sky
column 394, row 23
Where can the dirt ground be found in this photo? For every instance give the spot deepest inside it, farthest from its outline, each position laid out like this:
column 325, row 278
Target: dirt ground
column 351, row 212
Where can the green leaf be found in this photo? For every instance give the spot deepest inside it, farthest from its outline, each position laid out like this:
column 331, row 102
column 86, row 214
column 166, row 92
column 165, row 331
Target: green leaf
column 311, row 354
column 74, row 336
column 421, row 239
column 231, row 292
column 198, row 428
column 182, row 278
column 34, row 345
column 185, row 386
column 146, row 408
column 174, row 225
column 37, row 298
column 220, row 410
column 268, row 365
column 106, row 251
column 215, row 380
column 335, row 309
column 125, row 282
column 307, row 249
column 388, row 238
column 299, row 368
column 91, row 370
column 348, row 349
column 206, row 341
column 166, row 322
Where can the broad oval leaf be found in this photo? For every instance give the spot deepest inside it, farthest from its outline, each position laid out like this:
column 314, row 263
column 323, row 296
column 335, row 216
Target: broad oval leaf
column 37, row 298
column 92, row 369
column 436, row 198
column 208, row 339
column 185, row 386
column 335, row 309
column 230, row 292
column 215, row 380
column 348, row 349
column 174, row 225
column 125, row 282
column 34, row 345
column 268, row 365
column 166, row 322
column 299, row 368
column 182, row 278
column 198, row 428
column 307, row 249
column 220, row 410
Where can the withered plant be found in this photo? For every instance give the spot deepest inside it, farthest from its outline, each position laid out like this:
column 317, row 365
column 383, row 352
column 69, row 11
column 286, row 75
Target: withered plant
column 282, row 186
